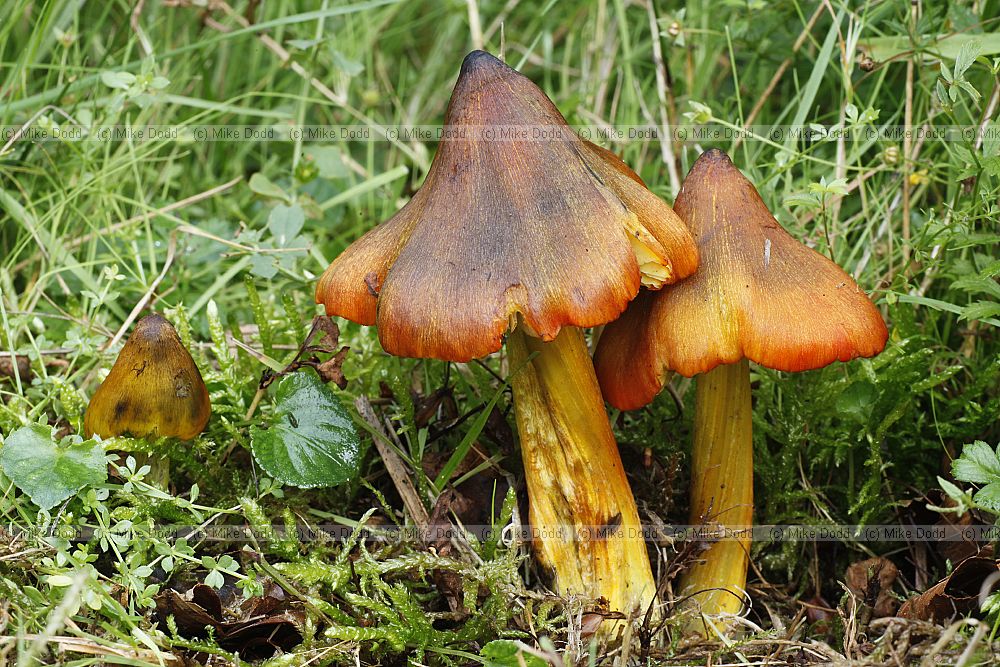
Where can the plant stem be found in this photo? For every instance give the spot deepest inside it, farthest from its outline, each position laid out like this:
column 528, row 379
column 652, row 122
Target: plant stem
column 722, row 486
column 581, row 505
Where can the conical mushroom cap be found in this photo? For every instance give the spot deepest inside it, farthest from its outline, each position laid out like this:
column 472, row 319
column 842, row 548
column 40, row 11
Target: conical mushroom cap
column 154, row 388
column 540, row 228
column 758, row 293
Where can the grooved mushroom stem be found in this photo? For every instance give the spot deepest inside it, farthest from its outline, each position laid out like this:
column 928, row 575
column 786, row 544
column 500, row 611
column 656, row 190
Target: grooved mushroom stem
column 581, row 503
column 722, row 486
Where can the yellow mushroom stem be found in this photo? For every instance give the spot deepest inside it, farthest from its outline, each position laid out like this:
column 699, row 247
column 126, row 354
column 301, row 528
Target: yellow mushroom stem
column 581, row 507
column 722, row 488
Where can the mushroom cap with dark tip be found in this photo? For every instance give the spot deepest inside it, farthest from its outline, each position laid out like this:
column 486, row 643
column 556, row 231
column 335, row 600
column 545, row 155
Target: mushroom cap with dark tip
column 758, row 294
column 504, row 227
column 154, row 388
column 478, row 58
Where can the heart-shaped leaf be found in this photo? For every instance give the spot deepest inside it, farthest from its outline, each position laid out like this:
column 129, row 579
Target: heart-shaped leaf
column 310, row 440
column 51, row 472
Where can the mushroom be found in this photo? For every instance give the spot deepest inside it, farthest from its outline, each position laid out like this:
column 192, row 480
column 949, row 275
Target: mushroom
column 529, row 238
column 759, row 295
column 153, row 389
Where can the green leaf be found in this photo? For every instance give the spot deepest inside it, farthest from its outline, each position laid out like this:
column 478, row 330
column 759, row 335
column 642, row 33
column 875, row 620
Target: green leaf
column 937, row 304
column 991, row 270
column 263, row 186
column 951, row 490
column 263, row 266
column 991, row 139
column 700, row 113
column 883, row 48
column 49, row 472
column 346, row 65
column 285, row 222
column 941, row 91
column 851, row 111
column 303, row 44
column 117, row 80
column 991, row 165
column 838, row 186
column 934, row 379
column 805, row 199
column 507, row 653
column 856, row 401
column 329, row 161
column 967, row 55
column 989, row 496
column 310, row 440
column 215, row 579
column 981, row 310
column 978, row 464
column 969, row 89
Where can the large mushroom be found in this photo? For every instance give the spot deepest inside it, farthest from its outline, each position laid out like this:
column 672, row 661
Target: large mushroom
column 154, row 388
column 523, row 230
column 758, row 295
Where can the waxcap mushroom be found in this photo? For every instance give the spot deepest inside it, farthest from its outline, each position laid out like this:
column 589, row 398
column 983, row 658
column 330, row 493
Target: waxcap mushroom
column 154, row 388
column 557, row 231
column 532, row 237
column 758, row 294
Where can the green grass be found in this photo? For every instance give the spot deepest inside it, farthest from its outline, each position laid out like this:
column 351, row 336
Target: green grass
column 89, row 229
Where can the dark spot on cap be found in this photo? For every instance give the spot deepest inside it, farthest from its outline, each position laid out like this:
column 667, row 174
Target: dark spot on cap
column 154, row 328
column 152, row 321
column 182, row 384
column 121, row 407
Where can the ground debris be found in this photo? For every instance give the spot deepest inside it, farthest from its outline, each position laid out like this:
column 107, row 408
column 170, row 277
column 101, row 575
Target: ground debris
column 20, row 366
column 872, row 580
column 256, row 628
column 323, row 338
column 955, row 595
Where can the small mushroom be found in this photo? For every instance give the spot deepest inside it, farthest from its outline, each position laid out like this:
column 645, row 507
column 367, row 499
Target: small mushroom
column 154, row 388
column 759, row 295
column 529, row 238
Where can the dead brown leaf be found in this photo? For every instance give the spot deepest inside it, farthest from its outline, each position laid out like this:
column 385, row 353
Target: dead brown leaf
column 323, row 338
column 21, row 365
column 871, row 581
column 956, row 594
column 257, row 628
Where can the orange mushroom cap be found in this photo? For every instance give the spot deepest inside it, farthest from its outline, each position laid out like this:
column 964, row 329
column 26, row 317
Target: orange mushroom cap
column 758, row 293
column 154, row 388
column 540, row 228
